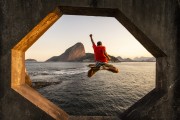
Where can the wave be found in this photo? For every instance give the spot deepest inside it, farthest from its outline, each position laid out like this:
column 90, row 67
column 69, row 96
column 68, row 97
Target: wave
column 69, row 71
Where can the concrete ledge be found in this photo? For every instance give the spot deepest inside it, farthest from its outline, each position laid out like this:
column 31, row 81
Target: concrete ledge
column 41, row 102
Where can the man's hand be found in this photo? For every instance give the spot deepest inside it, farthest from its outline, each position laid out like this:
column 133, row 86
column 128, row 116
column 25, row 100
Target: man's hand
column 109, row 58
column 91, row 39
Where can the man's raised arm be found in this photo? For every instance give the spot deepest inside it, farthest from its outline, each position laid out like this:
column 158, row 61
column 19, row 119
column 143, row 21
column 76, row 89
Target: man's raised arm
column 92, row 39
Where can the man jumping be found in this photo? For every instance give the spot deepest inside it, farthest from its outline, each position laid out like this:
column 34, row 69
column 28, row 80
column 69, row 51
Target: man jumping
column 101, row 58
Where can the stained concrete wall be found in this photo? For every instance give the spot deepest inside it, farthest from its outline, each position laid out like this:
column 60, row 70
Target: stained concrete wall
column 158, row 21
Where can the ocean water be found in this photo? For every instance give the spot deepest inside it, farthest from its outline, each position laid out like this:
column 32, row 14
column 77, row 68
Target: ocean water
column 105, row 94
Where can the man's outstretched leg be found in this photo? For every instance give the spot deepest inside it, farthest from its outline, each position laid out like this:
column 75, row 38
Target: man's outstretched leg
column 92, row 71
column 111, row 68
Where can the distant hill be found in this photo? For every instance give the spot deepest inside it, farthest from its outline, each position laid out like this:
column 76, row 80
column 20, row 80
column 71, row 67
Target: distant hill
column 74, row 53
column 120, row 58
column 124, row 59
column 31, row 60
column 137, row 59
column 145, row 59
column 152, row 59
column 128, row 60
column 114, row 59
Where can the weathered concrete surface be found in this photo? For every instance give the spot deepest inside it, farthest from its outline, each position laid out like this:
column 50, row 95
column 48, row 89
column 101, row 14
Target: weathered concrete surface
column 155, row 23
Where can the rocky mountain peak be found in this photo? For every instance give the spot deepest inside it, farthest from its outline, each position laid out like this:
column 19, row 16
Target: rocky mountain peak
column 73, row 53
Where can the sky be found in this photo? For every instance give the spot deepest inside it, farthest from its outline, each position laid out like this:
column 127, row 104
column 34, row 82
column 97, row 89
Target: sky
column 69, row 30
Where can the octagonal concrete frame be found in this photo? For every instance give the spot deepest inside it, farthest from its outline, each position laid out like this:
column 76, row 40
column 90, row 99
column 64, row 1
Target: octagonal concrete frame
column 18, row 53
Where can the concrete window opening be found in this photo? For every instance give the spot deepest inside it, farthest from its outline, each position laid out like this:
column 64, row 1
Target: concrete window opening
column 18, row 61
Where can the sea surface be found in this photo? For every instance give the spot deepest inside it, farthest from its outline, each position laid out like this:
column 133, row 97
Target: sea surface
column 105, row 94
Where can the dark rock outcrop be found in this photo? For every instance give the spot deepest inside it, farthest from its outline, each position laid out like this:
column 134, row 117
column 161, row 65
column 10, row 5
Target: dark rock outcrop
column 73, row 53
